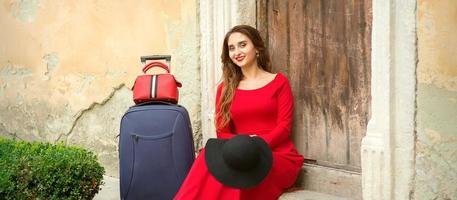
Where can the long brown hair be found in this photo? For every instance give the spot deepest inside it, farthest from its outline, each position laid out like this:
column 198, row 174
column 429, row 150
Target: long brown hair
column 231, row 73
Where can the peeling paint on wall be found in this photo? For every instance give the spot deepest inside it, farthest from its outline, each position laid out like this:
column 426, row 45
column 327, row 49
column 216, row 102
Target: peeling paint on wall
column 24, row 10
column 436, row 144
column 52, row 61
column 436, row 171
column 438, row 109
column 11, row 71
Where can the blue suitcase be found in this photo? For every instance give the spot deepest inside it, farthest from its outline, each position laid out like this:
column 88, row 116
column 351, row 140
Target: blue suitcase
column 156, row 151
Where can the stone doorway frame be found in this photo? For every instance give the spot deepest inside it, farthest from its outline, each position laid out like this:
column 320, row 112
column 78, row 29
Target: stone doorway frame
column 388, row 149
column 216, row 18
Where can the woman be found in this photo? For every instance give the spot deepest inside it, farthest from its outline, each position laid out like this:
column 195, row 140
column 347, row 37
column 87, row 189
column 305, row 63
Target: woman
column 251, row 100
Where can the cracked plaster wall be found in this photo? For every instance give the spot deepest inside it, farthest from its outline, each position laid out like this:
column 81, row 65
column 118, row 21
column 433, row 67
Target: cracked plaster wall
column 66, row 66
column 436, row 144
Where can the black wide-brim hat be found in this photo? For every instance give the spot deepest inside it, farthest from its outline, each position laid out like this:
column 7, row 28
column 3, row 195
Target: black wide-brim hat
column 241, row 162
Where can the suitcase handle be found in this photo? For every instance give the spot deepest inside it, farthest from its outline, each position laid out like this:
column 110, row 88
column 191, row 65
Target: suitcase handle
column 155, row 57
column 155, row 102
column 156, row 64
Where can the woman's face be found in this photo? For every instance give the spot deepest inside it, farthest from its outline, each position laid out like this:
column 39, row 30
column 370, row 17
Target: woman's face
column 241, row 50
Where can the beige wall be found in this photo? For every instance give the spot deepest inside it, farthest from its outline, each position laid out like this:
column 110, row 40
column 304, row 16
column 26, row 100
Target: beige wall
column 436, row 145
column 66, row 67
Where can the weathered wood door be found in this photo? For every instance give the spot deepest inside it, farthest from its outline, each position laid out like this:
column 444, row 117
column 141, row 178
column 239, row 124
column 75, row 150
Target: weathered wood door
column 323, row 46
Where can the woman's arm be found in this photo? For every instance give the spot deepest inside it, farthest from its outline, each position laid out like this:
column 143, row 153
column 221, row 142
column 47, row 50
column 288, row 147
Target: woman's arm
column 283, row 128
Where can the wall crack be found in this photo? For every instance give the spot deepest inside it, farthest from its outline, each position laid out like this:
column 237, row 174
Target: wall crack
column 81, row 113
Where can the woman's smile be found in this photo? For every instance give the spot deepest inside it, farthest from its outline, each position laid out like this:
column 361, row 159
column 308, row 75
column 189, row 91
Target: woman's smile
column 239, row 58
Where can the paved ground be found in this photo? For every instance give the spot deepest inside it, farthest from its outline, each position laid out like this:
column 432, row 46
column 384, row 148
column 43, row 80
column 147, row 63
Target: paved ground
column 110, row 191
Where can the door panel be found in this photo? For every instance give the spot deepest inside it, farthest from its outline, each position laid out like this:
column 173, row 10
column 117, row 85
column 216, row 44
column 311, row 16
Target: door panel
column 323, row 47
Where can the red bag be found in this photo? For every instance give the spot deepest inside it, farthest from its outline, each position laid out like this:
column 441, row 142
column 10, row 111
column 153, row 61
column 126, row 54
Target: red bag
column 156, row 87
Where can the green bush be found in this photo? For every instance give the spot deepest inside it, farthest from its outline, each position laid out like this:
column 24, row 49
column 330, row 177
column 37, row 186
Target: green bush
column 47, row 171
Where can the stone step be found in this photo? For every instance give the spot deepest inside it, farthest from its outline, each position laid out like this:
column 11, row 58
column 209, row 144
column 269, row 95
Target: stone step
column 110, row 191
column 309, row 195
column 328, row 180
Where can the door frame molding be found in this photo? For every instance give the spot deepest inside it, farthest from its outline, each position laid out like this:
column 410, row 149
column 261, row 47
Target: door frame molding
column 387, row 151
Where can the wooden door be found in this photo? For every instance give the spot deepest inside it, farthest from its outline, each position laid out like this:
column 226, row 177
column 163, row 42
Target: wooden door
column 323, row 47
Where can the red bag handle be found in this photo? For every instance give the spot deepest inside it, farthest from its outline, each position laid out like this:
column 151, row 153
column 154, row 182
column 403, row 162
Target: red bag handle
column 156, row 64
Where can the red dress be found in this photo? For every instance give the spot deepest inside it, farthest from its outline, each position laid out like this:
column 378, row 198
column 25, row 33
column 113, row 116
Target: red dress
column 266, row 112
